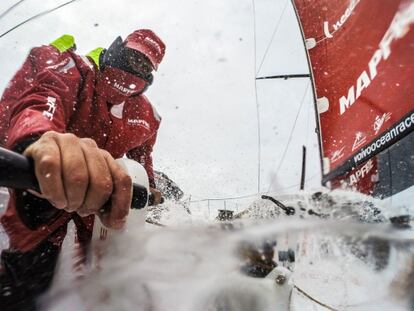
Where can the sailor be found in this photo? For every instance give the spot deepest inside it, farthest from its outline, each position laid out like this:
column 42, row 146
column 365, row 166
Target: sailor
column 73, row 115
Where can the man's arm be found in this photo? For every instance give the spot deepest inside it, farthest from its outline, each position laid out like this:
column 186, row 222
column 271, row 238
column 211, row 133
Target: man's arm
column 42, row 95
column 74, row 174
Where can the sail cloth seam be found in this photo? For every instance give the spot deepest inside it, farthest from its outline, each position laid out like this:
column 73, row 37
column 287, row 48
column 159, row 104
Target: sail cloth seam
column 325, row 38
column 273, row 35
column 36, row 16
column 290, row 138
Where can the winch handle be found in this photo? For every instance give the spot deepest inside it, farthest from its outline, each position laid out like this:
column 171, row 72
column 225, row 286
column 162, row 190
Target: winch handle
column 17, row 171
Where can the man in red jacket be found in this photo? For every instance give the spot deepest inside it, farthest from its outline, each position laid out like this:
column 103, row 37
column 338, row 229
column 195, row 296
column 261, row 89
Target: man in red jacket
column 74, row 115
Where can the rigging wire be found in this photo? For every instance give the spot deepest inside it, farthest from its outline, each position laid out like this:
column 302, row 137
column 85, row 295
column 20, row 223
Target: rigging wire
column 308, row 131
column 37, row 16
column 259, row 141
column 273, row 35
column 226, row 199
column 7, row 11
column 290, row 138
column 246, row 196
column 297, row 184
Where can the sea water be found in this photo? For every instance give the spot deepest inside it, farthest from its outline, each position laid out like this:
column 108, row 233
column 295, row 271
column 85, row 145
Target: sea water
column 338, row 252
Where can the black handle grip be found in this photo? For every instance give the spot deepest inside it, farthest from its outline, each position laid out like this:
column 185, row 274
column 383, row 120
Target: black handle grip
column 17, row 171
column 289, row 210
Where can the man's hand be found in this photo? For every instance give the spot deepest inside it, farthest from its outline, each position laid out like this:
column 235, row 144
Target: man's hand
column 77, row 176
column 157, row 196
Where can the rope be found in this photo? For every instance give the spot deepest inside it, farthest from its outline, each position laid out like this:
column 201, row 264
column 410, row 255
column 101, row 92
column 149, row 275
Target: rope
column 36, row 16
column 246, row 196
column 314, row 299
column 273, row 35
column 259, row 140
column 290, row 138
column 227, row 198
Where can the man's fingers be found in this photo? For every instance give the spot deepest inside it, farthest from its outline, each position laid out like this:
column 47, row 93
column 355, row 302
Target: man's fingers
column 74, row 171
column 75, row 175
column 46, row 156
column 156, row 195
column 121, row 196
column 100, row 179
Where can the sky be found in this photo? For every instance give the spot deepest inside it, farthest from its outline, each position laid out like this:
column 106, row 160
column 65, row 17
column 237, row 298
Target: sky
column 224, row 134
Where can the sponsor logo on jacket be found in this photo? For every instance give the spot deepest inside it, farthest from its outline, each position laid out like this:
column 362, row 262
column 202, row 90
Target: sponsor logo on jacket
column 51, row 108
column 123, row 89
column 154, row 44
column 139, row 122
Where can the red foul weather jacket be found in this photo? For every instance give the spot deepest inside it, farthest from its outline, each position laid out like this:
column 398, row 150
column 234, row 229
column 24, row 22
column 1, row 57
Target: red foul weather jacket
column 58, row 90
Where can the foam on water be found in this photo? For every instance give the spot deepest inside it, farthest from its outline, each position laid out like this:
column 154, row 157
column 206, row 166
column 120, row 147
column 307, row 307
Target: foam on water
column 195, row 264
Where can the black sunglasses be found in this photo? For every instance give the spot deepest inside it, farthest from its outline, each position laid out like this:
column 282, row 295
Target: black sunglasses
column 129, row 60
